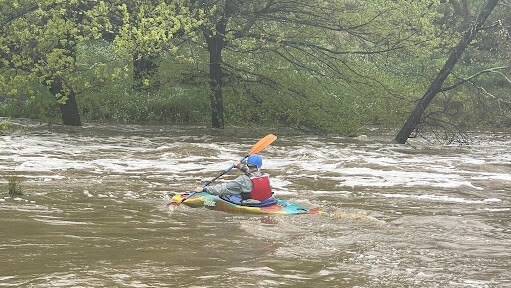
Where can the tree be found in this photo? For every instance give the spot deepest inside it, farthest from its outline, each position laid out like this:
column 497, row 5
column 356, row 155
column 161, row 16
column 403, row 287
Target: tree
column 248, row 41
column 436, row 85
column 145, row 32
column 38, row 44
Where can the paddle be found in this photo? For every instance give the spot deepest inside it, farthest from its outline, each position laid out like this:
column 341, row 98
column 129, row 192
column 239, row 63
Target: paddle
column 258, row 147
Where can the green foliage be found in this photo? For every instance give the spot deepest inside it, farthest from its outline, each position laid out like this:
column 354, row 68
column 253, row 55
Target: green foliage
column 6, row 125
column 38, row 44
column 328, row 65
column 149, row 27
column 317, row 65
column 109, row 96
column 299, row 101
column 181, row 108
column 42, row 107
column 14, row 186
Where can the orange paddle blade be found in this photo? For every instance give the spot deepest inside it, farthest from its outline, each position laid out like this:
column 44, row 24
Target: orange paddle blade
column 263, row 143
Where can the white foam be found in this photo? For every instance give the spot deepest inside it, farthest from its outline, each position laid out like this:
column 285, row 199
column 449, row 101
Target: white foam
column 497, row 209
column 60, row 222
column 266, row 272
column 350, row 165
column 441, row 198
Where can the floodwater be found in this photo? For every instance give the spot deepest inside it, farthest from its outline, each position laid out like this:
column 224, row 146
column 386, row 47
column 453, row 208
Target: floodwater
column 93, row 212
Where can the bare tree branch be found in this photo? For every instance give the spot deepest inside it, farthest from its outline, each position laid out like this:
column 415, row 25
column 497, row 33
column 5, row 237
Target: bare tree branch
column 469, row 79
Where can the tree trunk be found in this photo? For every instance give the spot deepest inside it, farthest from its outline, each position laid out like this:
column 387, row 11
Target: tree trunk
column 216, row 44
column 145, row 69
column 61, row 91
column 216, row 81
column 436, row 86
column 69, row 109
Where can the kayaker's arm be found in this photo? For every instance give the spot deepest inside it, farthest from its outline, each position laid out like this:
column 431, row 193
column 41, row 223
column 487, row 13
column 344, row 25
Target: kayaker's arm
column 239, row 185
column 229, row 188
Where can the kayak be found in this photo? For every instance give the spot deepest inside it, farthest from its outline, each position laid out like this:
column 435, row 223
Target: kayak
column 234, row 204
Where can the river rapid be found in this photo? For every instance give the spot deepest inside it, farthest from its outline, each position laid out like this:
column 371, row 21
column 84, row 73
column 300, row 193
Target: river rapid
column 93, row 213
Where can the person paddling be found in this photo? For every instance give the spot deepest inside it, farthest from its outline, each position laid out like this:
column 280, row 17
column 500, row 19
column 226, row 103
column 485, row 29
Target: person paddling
column 253, row 186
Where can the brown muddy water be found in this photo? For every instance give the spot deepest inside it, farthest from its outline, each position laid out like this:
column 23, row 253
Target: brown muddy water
column 93, row 212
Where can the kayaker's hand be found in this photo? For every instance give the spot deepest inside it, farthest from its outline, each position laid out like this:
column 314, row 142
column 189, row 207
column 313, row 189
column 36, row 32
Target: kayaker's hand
column 237, row 165
column 199, row 189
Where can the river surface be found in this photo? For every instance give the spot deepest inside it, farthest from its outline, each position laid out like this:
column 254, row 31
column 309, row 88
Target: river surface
column 93, row 213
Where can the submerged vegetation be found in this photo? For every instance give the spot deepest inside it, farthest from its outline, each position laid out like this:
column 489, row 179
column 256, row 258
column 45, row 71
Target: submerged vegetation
column 6, row 125
column 14, row 186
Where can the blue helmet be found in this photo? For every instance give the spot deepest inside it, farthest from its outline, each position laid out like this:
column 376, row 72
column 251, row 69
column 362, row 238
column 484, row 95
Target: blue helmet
column 255, row 160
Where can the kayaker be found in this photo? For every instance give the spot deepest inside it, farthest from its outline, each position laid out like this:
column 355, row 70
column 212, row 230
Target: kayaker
column 252, row 186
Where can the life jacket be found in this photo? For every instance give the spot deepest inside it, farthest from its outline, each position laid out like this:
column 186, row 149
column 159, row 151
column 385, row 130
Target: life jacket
column 261, row 189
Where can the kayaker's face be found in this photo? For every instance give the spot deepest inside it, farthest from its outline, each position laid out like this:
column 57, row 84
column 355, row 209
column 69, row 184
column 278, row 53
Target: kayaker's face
column 251, row 168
